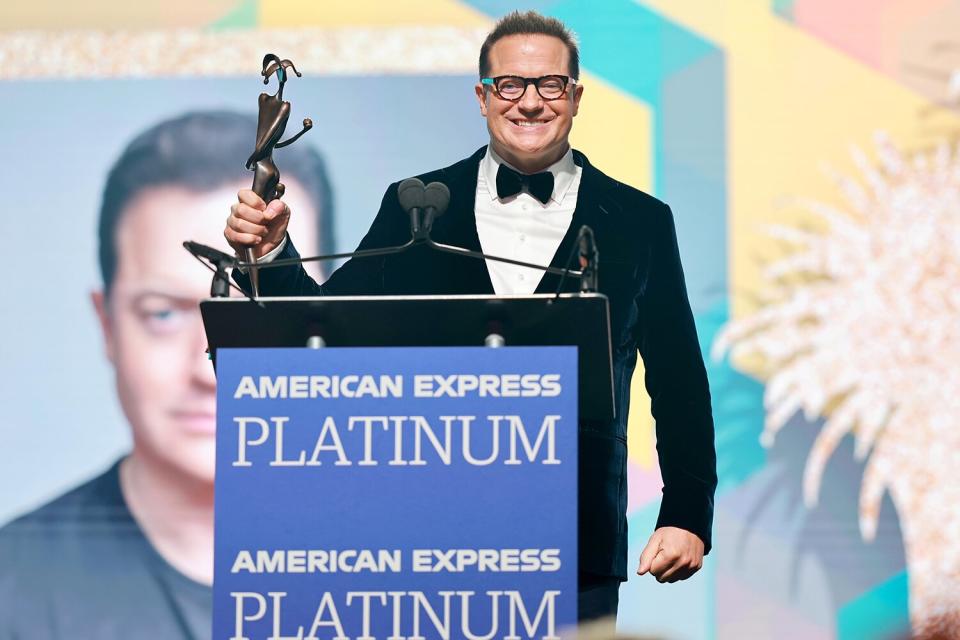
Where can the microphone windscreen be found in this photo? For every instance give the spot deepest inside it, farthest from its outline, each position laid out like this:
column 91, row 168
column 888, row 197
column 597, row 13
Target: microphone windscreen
column 203, row 251
column 410, row 194
column 437, row 196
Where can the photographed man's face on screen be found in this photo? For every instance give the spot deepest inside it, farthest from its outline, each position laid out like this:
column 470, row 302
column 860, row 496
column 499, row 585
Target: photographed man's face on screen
column 547, row 123
column 151, row 322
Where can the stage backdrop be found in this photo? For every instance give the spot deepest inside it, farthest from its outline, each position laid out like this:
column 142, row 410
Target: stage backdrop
column 807, row 149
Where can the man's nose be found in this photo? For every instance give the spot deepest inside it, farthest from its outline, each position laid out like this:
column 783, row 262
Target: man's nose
column 531, row 100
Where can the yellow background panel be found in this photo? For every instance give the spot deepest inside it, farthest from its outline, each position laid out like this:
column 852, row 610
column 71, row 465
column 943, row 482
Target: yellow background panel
column 641, row 440
column 337, row 13
column 614, row 131
column 795, row 105
column 110, row 14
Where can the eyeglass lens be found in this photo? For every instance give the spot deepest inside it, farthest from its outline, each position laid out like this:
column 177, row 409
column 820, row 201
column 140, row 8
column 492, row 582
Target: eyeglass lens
column 548, row 87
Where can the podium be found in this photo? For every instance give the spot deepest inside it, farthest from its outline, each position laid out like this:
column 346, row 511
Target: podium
column 402, row 481
column 581, row 320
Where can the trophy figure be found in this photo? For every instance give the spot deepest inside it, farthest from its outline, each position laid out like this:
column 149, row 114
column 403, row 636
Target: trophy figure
column 271, row 122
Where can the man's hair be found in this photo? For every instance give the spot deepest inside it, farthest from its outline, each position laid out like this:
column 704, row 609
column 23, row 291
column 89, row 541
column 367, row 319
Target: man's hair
column 530, row 23
column 202, row 151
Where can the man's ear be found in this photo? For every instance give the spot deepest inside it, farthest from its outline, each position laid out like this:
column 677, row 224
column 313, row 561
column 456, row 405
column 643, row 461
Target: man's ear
column 100, row 305
column 480, row 90
column 577, row 92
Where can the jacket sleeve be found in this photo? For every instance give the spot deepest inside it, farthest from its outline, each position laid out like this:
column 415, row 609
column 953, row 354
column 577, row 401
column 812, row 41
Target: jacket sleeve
column 676, row 380
column 290, row 280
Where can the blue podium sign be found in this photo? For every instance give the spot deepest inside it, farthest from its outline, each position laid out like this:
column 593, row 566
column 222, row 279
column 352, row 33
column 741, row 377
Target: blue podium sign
column 396, row 493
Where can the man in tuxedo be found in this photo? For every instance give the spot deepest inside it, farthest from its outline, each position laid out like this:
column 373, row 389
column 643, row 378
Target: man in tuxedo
column 525, row 196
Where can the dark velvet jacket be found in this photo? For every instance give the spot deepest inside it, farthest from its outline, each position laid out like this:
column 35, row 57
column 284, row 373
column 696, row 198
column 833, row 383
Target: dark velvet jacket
column 641, row 275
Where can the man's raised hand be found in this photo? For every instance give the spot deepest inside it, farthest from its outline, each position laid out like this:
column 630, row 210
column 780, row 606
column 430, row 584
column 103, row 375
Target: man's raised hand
column 255, row 224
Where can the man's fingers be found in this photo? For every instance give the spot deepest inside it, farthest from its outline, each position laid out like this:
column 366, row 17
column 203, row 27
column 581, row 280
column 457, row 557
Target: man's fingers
column 244, row 226
column 238, row 240
column 681, row 573
column 649, row 553
column 248, row 213
column 254, row 223
column 680, row 554
column 677, row 568
column 661, row 563
column 250, row 198
column 669, row 569
column 252, row 208
column 276, row 209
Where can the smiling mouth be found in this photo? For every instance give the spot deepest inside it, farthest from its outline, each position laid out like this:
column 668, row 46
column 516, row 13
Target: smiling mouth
column 526, row 124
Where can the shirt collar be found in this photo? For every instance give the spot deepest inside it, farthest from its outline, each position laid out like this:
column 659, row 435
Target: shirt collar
column 563, row 170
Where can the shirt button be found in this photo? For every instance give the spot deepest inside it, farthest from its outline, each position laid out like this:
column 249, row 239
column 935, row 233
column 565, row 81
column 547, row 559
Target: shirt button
column 523, row 238
column 520, row 277
column 526, row 207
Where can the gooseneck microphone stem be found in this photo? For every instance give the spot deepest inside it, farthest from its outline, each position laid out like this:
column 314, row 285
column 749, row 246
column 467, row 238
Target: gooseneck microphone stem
column 483, row 256
column 415, row 223
column 363, row 253
column 584, row 247
column 386, row 251
column 424, row 205
column 567, row 271
column 232, row 262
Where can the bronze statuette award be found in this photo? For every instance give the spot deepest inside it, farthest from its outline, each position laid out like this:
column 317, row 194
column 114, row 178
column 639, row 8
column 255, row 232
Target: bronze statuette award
column 271, row 123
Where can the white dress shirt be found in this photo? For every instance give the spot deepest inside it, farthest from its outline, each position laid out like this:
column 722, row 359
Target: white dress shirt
column 521, row 227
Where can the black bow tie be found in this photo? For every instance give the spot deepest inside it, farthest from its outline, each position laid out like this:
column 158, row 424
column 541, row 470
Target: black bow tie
column 510, row 183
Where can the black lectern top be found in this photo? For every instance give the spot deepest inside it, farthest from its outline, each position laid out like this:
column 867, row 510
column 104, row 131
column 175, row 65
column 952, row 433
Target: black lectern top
column 581, row 320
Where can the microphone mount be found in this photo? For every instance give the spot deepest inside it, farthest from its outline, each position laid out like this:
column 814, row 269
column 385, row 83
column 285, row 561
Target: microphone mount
column 589, row 258
column 220, row 261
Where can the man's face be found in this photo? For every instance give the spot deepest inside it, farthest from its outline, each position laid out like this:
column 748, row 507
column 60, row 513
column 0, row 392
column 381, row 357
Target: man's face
column 530, row 133
column 152, row 327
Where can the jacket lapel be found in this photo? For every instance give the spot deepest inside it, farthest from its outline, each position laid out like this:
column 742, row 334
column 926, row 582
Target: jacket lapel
column 458, row 226
column 593, row 209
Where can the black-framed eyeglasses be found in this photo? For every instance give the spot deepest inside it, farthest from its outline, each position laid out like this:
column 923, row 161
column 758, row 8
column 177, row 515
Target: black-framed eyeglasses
column 513, row 87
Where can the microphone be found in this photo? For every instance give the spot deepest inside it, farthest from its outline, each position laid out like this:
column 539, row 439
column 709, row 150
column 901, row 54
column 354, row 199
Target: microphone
column 220, row 287
column 436, row 199
column 217, row 257
column 410, row 193
column 589, row 257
